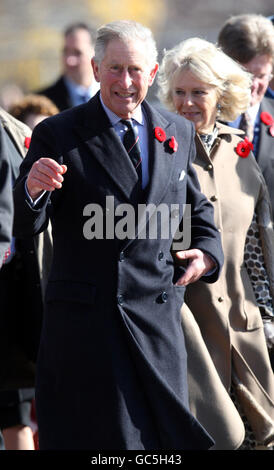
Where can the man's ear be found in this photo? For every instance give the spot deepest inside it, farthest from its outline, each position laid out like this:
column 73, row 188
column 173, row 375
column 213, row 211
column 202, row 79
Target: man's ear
column 95, row 68
column 152, row 74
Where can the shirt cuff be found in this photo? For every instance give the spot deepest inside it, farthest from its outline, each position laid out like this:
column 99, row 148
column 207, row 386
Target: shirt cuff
column 32, row 202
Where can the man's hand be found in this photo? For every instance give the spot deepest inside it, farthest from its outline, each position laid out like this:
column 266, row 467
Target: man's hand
column 199, row 264
column 45, row 175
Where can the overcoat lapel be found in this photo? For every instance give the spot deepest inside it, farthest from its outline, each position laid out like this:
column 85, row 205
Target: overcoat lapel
column 104, row 144
column 266, row 141
column 161, row 156
column 162, row 162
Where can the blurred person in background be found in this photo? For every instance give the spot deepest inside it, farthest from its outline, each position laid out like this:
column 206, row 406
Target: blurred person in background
column 249, row 39
column 21, row 309
column 205, row 86
column 6, row 199
column 25, row 273
column 32, row 109
column 270, row 90
column 6, row 210
column 77, row 84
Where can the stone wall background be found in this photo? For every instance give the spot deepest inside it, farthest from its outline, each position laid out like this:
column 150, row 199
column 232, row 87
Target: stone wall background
column 31, row 30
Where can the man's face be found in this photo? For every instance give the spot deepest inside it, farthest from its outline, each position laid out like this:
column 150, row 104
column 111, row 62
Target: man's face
column 77, row 55
column 261, row 69
column 124, row 75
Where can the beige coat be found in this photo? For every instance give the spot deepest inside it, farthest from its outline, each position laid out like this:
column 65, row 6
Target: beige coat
column 226, row 311
column 18, row 131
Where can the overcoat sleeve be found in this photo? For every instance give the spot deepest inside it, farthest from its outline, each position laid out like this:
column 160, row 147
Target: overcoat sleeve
column 29, row 220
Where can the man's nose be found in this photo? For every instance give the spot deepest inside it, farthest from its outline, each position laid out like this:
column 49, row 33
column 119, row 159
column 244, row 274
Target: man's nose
column 71, row 60
column 125, row 79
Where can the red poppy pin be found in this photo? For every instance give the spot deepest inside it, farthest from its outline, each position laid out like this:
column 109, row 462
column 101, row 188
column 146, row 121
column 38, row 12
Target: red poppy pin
column 268, row 120
column 173, row 144
column 27, row 142
column 243, row 148
column 160, row 134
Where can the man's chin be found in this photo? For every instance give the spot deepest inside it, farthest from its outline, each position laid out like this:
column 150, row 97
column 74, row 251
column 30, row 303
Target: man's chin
column 256, row 99
column 125, row 112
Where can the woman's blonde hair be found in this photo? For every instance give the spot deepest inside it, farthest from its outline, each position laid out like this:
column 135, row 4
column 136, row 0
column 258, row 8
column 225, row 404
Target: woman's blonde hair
column 211, row 66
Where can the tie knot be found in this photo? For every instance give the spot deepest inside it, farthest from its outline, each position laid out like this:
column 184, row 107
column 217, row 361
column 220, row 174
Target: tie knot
column 127, row 123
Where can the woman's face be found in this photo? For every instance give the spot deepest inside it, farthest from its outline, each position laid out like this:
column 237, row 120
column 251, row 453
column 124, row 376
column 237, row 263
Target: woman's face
column 195, row 100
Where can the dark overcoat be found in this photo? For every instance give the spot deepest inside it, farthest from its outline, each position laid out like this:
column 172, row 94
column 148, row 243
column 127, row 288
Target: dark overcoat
column 112, row 361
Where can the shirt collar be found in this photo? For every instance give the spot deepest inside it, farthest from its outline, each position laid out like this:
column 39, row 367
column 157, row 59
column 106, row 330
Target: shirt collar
column 114, row 119
column 80, row 89
column 253, row 111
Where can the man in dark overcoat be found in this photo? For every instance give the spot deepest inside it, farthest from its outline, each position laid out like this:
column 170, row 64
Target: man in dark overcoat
column 112, row 360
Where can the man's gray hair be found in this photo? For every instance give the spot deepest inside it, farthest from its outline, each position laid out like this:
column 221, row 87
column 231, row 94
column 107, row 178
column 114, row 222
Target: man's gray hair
column 125, row 30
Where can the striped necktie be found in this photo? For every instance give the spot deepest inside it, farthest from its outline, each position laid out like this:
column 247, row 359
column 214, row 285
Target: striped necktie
column 132, row 146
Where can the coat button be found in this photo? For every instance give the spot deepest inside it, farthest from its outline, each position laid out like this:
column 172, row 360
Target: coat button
column 160, row 256
column 221, row 299
column 164, row 296
column 209, row 167
column 214, row 198
column 122, row 256
column 120, row 299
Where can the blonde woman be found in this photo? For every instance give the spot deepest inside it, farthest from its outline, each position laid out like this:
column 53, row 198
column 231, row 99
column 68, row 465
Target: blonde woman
column 198, row 81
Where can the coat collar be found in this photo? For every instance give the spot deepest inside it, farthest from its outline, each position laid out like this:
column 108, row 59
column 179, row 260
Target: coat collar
column 223, row 129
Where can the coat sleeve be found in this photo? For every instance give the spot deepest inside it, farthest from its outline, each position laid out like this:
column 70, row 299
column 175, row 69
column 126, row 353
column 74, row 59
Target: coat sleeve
column 6, row 201
column 30, row 220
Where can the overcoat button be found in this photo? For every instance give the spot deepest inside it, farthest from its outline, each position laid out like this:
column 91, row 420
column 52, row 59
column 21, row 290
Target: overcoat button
column 164, row 296
column 221, row 299
column 120, row 299
column 160, row 256
column 214, row 198
column 209, row 167
column 122, row 256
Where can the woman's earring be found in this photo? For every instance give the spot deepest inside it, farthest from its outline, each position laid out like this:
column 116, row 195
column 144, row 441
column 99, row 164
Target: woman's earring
column 218, row 109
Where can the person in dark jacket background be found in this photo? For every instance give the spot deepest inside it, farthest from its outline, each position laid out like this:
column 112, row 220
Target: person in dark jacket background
column 77, row 84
